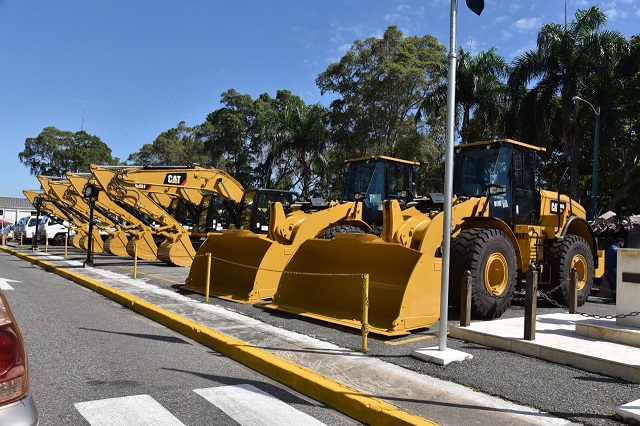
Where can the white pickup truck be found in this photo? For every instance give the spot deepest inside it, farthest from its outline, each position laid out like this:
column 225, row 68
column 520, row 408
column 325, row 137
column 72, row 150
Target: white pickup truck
column 54, row 228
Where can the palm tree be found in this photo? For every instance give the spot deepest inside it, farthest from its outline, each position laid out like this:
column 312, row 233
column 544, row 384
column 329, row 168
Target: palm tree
column 305, row 131
column 480, row 88
column 569, row 61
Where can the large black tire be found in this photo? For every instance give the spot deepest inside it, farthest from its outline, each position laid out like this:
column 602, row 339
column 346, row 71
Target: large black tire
column 58, row 240
column 328, row 234
column 490, row 257
column 570, row 252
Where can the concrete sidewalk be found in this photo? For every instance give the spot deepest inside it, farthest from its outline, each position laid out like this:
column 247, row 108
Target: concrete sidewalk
column 363, row 387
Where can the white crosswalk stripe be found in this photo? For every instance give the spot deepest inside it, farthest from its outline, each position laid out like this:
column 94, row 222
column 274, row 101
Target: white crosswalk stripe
column 137, row 410
column 245, row 404
column 249, row 405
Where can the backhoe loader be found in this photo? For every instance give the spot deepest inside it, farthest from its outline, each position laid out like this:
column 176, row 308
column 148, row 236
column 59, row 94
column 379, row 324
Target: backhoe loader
column 246, row 267
column 188, row 202
column 501, row 224
column 52, row 209
column 63, row 192
column 124, row 221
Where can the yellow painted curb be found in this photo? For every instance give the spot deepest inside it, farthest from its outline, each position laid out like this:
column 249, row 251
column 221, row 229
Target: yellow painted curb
column 351, row 402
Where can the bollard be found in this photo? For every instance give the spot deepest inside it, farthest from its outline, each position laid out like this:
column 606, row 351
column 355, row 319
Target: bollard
column 135, row 261
column 365, row 312
column 46, row 243
column 465, row 302
column 573, row 291
column 21, row 235
column 207, row 278
column 66, row 240
column 531, row 303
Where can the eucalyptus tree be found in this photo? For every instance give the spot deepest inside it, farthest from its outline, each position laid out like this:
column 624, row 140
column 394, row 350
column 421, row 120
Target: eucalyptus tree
column 54, row 152
column 178, row 146
column 379, row 85
column 577, row 59
column 228, row 135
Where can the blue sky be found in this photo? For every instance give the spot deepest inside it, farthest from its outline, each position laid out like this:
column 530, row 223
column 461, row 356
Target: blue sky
column 127, row 70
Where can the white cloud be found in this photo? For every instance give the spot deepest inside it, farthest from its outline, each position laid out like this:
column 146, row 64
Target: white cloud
column 505, row 34
column 527, row 24
column 500, row 19
column 393, row 17
column 613, row 14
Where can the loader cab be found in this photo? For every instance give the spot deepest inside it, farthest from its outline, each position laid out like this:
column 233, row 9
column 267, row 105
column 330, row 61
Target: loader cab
column 503, row 170
column 255, row 205
column 377, row 179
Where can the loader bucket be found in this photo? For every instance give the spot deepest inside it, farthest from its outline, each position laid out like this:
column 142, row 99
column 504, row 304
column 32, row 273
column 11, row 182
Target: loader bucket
column 116, row 244
column 147, row 248
column 324, row 281
column 177, row 250
column 244, row 266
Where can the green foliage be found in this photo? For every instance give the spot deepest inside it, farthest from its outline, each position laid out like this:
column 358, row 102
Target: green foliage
column 380, row 84
column 389, row 98
column 54, row 152
column 573, row 60
column 179, row 146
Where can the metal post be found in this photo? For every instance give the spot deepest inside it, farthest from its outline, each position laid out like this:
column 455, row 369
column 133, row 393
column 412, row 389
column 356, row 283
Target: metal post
column 89, row 260
column 365, row 312
column 448, row 181
column 531, row 303
column 66, row 241
column 465, row 302
column 135, row 260
column 46, row 243
column 573, row 291
column 207, row 282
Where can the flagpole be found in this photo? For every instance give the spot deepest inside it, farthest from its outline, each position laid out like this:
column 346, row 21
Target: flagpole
column 448, row 180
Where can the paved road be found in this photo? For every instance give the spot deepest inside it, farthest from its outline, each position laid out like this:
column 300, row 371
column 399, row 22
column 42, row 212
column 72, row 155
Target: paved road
column 560, row 390
column 95, row 362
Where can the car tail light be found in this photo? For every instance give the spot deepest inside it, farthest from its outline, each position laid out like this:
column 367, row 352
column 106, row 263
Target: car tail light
column 14, row 380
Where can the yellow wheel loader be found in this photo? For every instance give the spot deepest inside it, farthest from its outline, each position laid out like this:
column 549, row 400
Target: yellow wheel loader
column 246, row 267
column 501, row 222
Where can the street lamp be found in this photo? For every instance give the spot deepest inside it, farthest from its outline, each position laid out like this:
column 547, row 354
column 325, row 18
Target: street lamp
column 91, row 194
column 37, row 202
column 596, row 154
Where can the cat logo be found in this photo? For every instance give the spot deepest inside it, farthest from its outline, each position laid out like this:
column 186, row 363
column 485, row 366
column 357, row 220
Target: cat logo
column 179, row 179
column 558, row 207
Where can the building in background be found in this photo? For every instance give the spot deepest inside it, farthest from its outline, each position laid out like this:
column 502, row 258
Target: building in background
column 12, row 209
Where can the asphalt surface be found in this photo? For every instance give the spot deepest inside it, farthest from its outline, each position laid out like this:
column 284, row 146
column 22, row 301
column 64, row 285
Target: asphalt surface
column 559, row 390
column 81, row 355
